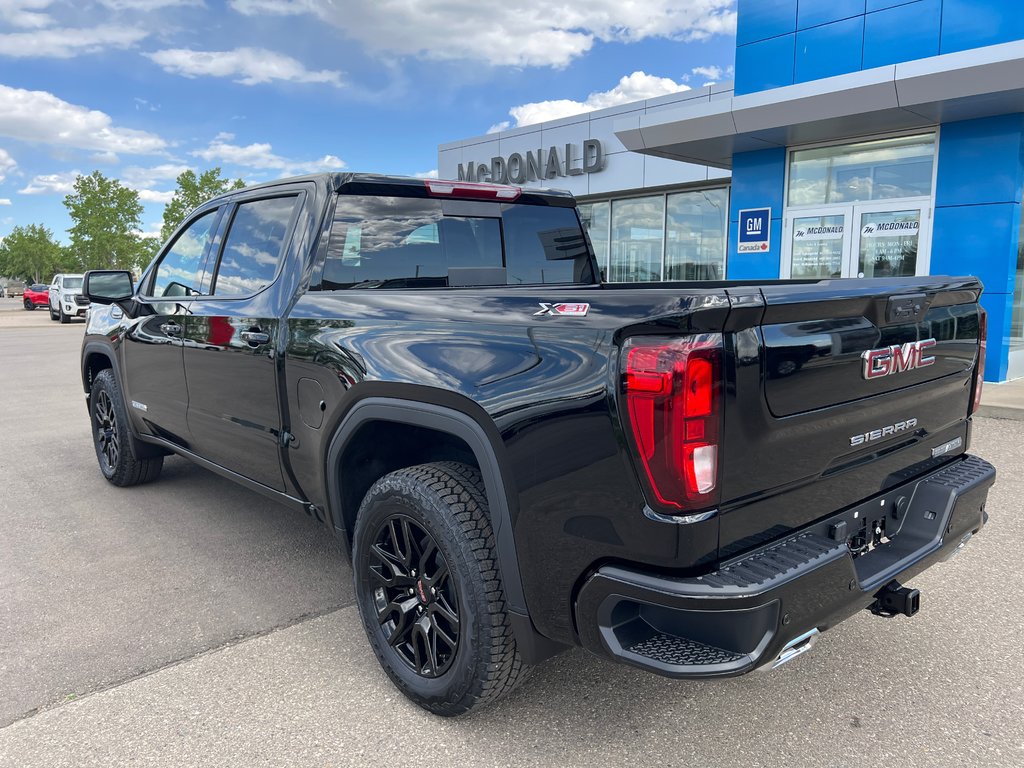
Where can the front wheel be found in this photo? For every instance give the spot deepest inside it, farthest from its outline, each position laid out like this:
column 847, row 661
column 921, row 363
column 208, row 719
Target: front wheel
column 115, row 445
column 29, row 305
column 63, row 317
column 429, row 591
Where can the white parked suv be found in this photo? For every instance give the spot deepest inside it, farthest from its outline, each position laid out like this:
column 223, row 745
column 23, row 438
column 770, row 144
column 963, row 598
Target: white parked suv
column 66, row 300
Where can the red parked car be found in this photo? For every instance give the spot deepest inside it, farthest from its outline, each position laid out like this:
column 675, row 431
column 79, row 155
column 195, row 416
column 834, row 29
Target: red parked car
column 36, row 296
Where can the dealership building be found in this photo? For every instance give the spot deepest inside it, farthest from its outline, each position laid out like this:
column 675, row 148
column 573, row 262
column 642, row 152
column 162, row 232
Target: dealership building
column 861, row 138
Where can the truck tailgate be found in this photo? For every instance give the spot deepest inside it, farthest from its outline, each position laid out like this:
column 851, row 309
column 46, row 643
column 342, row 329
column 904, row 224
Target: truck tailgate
column 857, row 385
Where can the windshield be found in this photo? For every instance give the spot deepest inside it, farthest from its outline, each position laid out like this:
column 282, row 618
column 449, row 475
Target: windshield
column 72, row 283
column 38, row 288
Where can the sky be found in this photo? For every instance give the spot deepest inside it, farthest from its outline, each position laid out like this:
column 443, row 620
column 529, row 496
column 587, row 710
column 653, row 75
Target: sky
column 142, row 90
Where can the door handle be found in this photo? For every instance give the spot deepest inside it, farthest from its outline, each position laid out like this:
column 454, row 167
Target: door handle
column 171, row 329
column 255, row 337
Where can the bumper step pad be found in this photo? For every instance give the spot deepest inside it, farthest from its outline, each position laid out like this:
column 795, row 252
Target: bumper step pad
column 676, row 651
column 763, row 569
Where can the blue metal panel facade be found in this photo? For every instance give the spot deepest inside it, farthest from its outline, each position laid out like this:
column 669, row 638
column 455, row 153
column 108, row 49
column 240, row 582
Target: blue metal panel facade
column 974, row 23
column 902, row 33
column 813, row 13
column 758, row 181
column 830, row 49
column 977, row 217
column 888, row 32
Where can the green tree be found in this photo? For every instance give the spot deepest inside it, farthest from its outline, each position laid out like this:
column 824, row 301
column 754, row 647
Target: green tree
column 107, row 220
column 30, row 253
column 192, row 192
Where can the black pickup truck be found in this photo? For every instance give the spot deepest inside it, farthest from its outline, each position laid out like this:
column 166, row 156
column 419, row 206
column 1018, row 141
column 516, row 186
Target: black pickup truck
column 694, row 478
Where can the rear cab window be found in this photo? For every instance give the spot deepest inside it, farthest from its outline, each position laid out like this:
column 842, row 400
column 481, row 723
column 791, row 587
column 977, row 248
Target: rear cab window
column 411, row 242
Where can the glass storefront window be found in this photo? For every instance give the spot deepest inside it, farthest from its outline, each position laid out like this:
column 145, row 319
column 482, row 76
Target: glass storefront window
column 638, row 238
column 817, row 249
column 1016, row 341
column 866, row 170
column 696, row 235
column 595, row 218
column 888, row 243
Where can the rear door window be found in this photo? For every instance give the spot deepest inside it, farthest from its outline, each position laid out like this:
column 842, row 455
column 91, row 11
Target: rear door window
column 254, row 246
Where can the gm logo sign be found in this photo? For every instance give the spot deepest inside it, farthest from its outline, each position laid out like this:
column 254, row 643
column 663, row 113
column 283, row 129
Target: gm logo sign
column 755, row 230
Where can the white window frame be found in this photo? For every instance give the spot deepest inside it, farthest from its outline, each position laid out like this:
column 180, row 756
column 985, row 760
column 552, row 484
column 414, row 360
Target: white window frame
column 853, row 209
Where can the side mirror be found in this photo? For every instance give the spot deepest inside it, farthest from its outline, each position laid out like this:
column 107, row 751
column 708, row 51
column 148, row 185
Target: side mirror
column 107, row 286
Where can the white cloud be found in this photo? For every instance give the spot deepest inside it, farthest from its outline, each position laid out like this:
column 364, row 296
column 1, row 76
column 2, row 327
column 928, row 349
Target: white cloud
column 153, row 196
column 713, row 74
column 138, row 177
column 51, row 184
column 248, row 66
column 7, row 164
column 5, row 201
column 39, row 116
column 427, row 174
column 26, row 14
column 504, row 125
column 272, row 7
column 524, row 33
column 106, row 158
column 147, row 5
column 634, row 87
column 261, row 155
column 65, row 43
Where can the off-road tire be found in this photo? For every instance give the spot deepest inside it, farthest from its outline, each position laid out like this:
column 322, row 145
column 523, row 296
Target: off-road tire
column 121, row 467
column 446, row 500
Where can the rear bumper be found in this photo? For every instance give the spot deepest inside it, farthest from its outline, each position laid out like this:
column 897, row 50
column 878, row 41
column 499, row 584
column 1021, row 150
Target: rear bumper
column 754, row 607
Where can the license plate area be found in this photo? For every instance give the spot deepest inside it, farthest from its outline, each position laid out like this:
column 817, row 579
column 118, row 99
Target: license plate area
column 894, row 527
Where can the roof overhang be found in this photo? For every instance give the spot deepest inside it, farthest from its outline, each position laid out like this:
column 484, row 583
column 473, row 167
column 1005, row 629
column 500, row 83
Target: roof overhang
column 955, row 86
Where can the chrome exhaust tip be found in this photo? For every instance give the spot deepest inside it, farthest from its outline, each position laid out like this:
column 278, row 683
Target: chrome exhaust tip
column 795, row 647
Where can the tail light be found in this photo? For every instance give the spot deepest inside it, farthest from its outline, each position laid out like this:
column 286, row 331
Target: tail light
column 979, row 371
column 472, row 190
column 673, row 393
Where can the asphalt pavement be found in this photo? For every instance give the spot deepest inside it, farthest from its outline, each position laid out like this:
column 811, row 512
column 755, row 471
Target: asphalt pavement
column 191, row 622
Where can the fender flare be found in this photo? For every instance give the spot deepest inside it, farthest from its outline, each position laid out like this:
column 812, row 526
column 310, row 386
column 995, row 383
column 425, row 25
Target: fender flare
column 98, row 347
column 469, row 430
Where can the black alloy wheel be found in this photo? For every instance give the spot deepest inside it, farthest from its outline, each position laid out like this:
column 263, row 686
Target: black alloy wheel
column 107, row 438
column 29, row 305
column 122, row 458
column 430, row 594
column 415, row 597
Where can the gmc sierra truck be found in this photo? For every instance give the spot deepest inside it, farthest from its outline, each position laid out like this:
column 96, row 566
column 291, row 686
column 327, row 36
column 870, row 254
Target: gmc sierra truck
column 694, row 478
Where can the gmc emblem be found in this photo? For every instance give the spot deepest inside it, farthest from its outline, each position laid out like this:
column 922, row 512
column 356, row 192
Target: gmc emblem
column 896, row 359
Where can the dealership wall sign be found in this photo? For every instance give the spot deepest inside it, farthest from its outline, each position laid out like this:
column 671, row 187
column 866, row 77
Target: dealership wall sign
column 520, row 168
column 827, row 232
column 891, row 229
column 755, row 230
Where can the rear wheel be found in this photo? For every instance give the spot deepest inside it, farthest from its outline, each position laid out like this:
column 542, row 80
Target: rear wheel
column 29, row 305
column 115, row 445
column 429, row 591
